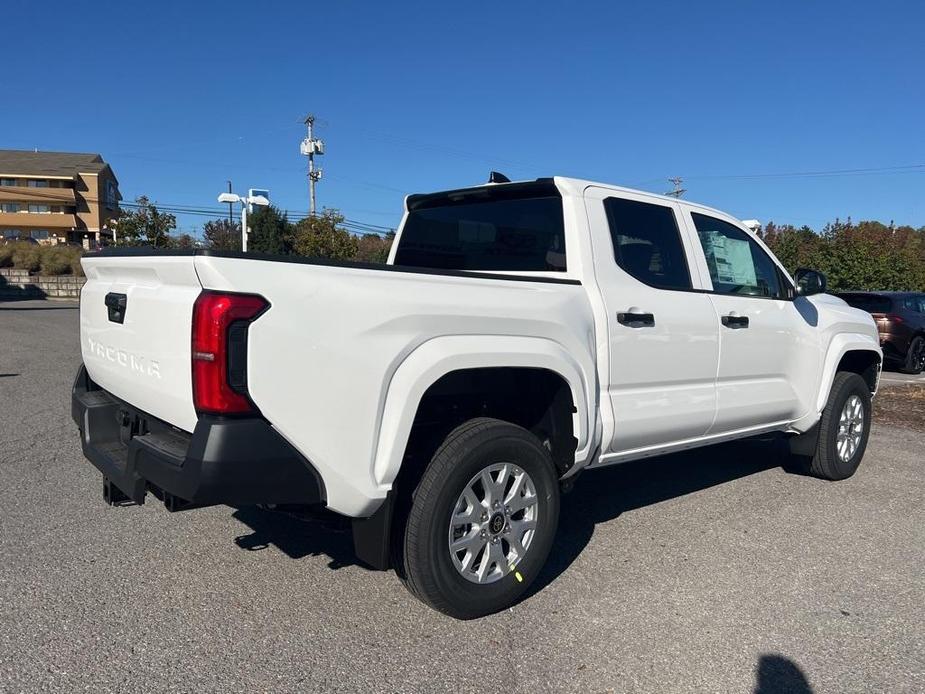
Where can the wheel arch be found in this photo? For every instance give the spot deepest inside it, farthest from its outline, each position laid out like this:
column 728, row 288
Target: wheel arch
column 454, row 360
column 856, row 353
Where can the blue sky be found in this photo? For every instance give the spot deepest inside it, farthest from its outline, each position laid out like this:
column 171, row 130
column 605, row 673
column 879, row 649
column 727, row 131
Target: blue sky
column 412, row 97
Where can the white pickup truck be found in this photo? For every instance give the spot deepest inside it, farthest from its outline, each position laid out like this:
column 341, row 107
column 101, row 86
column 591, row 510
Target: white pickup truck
column 520, row 333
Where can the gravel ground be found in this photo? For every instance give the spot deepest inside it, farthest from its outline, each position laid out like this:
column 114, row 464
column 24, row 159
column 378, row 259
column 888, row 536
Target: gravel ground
column 707, row 571
column 902, row 405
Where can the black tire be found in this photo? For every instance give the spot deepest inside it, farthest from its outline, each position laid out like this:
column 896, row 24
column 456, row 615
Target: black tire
column 826, row 462
column 430, row 573
column 915, row 357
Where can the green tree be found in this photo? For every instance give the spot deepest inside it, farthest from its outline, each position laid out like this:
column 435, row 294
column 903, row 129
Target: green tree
column 183, row 241
column 321, row 236
column 222, row 235
column 867, row 255
column 372, row 248
column 794, row 247
column 270, row 231
column 145, row 225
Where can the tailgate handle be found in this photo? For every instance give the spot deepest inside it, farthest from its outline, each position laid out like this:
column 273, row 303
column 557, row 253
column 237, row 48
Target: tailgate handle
column 116, row 304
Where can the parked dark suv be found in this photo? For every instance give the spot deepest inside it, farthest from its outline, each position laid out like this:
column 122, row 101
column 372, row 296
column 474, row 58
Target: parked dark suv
column 900, row 320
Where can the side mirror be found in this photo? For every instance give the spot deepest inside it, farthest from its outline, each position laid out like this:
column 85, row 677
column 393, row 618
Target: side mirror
column 809, row 282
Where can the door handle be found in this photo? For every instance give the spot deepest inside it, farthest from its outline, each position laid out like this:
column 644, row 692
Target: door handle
column 636, row 320
column 735, row 322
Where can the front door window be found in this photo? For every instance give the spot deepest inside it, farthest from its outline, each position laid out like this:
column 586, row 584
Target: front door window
column 737, row 264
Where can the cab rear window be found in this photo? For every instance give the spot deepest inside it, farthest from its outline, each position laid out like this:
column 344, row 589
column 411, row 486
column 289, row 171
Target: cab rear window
column 489, row 231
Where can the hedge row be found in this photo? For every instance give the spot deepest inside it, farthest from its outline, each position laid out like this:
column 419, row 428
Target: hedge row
column 48, row 260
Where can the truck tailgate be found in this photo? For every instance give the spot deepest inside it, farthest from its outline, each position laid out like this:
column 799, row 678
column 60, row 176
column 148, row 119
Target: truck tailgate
column 141, row 354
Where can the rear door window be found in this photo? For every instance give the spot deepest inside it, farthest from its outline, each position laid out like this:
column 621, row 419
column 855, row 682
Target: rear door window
column 647, row 243
column 485, row 232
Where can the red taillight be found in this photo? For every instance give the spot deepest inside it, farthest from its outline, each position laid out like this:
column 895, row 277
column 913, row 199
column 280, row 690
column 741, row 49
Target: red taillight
column 214, row 314
column 896, row 320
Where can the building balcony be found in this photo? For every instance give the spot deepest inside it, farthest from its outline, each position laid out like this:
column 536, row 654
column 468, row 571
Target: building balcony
column 41, row 196
column 37, row 220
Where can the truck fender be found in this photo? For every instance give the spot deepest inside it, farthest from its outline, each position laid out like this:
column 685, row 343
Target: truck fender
column 439, row 356
column 840, row 345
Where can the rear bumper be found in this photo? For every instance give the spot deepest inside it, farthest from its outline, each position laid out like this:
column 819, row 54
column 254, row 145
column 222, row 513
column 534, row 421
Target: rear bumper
column 238, row 462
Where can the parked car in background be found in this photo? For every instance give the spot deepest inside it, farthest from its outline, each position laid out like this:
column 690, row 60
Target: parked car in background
column 900, row 318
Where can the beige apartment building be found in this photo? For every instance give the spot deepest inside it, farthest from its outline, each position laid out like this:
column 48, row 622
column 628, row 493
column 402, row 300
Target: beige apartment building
column 57, row 197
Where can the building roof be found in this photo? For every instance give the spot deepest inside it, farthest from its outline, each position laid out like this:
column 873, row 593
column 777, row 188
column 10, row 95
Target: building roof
column 27, row 163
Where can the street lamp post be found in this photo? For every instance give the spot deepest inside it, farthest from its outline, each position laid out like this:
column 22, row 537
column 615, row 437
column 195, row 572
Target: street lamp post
column 245, row 201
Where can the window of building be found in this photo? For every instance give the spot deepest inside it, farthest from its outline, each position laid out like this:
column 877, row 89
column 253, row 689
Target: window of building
column 9, row 207
column 111, row 201
column 737, row 264
column 7, row 181
column 647, row 243
column 39, row 234
column 37, row 183
column 11, row 233
column 39, row 208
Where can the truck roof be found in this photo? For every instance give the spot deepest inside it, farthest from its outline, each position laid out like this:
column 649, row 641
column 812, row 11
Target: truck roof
column 578, row 185
column 575, row 186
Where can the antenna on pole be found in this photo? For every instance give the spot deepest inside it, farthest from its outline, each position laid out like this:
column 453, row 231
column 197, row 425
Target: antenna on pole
column 310, row 147
column 678, row 190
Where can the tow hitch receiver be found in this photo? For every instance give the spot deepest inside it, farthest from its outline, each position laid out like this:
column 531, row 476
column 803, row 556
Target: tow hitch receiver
column 112, row 495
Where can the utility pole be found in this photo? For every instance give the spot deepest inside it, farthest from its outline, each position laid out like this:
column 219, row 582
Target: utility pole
column 230, row 208
column 678, row 190
column 310, row 147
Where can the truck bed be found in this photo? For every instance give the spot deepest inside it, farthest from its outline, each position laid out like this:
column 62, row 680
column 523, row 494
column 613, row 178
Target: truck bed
column 322, row 357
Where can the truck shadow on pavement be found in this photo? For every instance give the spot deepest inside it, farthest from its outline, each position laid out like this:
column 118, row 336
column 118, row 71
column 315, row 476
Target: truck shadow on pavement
column 602, row 495
column 298, row 534
column 598, row 496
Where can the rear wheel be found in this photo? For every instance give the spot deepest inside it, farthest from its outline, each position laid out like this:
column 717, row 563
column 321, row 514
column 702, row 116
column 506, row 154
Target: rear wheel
column 843, row 428
column 482, row 519
column 915, row 357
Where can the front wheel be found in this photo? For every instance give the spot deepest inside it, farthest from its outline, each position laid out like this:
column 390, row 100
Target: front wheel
column 482, row 519
column 843, row 428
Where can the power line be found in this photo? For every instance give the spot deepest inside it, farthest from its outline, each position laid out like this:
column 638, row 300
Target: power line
column 213, row 212
column 678, row 190
column 869, row 171
column 830, row 172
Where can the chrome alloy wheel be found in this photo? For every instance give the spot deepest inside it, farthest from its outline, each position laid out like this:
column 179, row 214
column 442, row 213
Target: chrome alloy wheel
column 493, row 523
column 850, row 428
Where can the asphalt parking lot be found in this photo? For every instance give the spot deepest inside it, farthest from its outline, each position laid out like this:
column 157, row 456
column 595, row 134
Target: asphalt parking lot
column 893, row 377
column 709, row 571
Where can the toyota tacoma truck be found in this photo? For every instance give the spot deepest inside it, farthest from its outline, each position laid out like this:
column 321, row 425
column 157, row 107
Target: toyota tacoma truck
column 520, row 333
